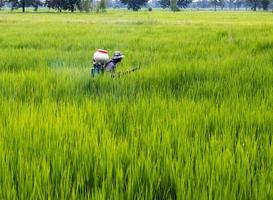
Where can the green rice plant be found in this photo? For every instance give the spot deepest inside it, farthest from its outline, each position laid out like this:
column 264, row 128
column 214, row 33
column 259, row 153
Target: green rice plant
column 195, row 122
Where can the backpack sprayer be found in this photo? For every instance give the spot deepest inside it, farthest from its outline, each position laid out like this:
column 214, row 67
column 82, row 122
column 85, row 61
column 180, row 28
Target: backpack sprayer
column 100, row 59
column 101, row 63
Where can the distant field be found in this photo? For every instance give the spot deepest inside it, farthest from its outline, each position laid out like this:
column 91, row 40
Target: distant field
column 196, row 122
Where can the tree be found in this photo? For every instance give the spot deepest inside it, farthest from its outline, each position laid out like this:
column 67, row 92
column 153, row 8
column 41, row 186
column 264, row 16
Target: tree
column 216, row 3
column 71, row 5
column 2, row 3
column 85, row 5
column 55, row 4
column 253, row 4
column 202, row 4
column 175, row 4
column 238, row 4
column 116, row 4
column 164, row 3
column 183, row 3
column 135, row 5
column 64, row 4
column 15, row 4
column 221, row 4
column 265, row 4
column 230, row 3
column 102, row 6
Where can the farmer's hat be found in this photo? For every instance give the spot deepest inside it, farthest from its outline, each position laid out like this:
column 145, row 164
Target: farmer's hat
column 117, row 55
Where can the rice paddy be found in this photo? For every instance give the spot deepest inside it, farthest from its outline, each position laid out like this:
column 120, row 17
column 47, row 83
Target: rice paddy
column 195, row 122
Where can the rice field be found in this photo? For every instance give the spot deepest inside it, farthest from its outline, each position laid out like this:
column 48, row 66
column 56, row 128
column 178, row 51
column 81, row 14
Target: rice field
column 195, row 122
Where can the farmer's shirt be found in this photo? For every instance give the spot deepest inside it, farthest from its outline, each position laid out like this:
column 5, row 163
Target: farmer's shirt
column 110, row 66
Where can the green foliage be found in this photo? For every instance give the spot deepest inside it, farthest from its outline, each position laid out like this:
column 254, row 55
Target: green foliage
column 216, row 3
column 253, row 4
column 85, row 5
column 135, row 5
column 15, row 4
column 64, row 4
column 1, row 3
column 265, row 4
column 195, row 122
column 101, row 6
column 174, row 5
column 164, row 3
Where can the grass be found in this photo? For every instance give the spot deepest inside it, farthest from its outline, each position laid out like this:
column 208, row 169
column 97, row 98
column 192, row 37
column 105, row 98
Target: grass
column 195, row 122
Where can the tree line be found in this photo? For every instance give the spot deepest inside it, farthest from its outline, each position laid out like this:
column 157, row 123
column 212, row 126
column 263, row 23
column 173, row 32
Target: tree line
column 135, row 5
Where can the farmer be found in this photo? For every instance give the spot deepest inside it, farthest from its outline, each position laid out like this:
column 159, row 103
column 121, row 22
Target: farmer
column 111, row 65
